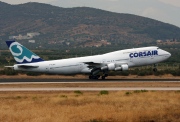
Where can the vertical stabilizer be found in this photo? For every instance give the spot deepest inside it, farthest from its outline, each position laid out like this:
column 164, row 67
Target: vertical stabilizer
column 21, row 54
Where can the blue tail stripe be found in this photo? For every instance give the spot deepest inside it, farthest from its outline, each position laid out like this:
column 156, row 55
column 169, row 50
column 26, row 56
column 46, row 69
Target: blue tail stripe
column 9, row 43
column 33, row 61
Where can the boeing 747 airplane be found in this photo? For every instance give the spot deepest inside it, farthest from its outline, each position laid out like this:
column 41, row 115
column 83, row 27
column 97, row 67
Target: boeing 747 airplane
column 114, row 61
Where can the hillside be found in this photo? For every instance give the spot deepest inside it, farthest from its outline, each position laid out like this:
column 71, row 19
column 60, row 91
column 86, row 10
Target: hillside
column 80, row 26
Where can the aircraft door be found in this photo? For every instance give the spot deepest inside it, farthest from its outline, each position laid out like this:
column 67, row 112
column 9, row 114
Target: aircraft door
column 47, row 68
column 104, row 61
column 130, row 59
column 135, row 58
column 152, row 56
column 80, row 66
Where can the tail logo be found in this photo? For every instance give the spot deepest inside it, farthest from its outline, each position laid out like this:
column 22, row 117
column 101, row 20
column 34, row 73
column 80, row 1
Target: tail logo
column 22, row 54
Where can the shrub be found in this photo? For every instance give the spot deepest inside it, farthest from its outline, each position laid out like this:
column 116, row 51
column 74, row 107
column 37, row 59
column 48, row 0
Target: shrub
column 104, row 92
column 178, row 91
column 64, row 96
column 144, row 90
column 78, row 92
column 18, row 97
column 137, row 91
column 112, row 73
column 128, row 93
column 135, row 71
column 175, row 72
column 34, row 98
column 96, row 120
column 158, row 73
column 125, row 73
column 149, row 72
column 9, row 72
column 141, row 73
column 33, row 74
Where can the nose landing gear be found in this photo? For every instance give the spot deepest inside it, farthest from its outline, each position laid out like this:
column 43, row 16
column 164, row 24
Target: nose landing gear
column 155, row 69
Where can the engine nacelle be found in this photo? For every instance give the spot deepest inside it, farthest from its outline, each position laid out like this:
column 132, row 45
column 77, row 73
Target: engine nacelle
column 124, row 67
column 111, row 66
column 104, row 68
column 118, row 68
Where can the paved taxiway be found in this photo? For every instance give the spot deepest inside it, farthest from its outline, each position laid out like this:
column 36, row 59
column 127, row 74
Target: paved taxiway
column 93, row 89
column 85, row 80
column 76, row 81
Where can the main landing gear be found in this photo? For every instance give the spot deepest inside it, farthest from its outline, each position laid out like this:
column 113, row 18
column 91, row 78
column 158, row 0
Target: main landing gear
column 95, row 77
column 98, row 76
column 104, row 76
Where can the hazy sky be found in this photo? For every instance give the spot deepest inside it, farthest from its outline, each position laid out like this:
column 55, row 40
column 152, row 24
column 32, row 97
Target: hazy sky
column 164, row 10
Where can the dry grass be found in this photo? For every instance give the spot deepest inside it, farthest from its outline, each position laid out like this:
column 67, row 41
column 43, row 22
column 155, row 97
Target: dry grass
column 132, row 106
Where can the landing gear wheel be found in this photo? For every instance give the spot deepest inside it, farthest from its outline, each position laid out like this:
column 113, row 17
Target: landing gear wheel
column 97, row 76
column 155, row 69
column 105, row 75
column 90, row 77
column 94, row 77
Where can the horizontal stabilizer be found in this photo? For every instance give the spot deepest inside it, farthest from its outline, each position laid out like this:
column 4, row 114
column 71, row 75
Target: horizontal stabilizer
column 9, row 66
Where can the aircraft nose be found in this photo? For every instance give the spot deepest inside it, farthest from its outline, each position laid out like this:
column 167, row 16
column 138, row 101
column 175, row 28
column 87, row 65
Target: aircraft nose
column 168, row 54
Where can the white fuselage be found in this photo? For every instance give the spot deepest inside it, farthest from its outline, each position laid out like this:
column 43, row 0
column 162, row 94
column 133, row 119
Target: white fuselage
column 131, row 57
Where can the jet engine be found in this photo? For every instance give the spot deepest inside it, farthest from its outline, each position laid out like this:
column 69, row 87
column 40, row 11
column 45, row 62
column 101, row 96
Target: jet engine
column 111, row 66
column 115, row 67
column 123, row 67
